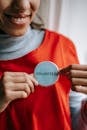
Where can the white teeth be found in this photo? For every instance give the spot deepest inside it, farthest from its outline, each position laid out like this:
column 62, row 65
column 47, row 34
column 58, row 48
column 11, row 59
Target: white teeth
column 18, row 20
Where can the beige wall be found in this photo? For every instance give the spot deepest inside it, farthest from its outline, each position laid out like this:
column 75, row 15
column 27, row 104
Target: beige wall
column 44, row 11
column 50, row 11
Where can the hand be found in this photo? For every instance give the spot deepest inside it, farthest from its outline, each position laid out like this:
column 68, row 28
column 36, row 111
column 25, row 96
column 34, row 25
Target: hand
column 78, row 76
column 14, row 85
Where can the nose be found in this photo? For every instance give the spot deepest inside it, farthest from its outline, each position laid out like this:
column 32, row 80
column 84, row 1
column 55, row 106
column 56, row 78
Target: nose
column 21, row 4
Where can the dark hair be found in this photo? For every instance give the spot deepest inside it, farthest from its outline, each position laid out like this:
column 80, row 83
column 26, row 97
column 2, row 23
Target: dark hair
column 38, row 22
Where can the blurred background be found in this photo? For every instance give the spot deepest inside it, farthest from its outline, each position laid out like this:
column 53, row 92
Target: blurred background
column 68, row 17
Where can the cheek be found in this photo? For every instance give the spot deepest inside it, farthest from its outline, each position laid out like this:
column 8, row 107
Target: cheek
column 4, row 3
column 35, row 4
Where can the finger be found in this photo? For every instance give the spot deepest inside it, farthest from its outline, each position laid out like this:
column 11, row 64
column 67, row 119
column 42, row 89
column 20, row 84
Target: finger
column 11, row 76
column 21, row 87
column 73, row 67
column 15, row 73
column 78, row 74
column 79, row 81
column 79, row 67
column 19, row 79
column 30, row 85
column 24, row 77
column 16, row 95
column 17, row 87
column 80, row 88
column 32, row 78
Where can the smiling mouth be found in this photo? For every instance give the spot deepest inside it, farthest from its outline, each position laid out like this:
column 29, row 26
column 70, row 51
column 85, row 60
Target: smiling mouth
column 18, row 19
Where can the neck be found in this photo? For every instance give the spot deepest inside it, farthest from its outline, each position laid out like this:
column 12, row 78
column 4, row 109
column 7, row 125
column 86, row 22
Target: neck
column 15, row 47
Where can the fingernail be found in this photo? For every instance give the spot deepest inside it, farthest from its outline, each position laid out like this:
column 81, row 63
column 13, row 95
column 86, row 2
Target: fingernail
column 36, row 83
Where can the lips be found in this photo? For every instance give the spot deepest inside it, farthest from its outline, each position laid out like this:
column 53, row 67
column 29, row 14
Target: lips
column 18, row 19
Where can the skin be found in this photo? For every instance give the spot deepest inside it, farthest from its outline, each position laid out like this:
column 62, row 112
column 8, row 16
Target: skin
column 77, row 74
column 16, row 15
column 15, row 18
column 15, row 85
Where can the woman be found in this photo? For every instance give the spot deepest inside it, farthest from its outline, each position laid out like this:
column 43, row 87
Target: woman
column 24, row 104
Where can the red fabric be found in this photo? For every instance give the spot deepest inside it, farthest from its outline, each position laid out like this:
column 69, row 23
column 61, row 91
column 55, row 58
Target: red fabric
column 46, row 108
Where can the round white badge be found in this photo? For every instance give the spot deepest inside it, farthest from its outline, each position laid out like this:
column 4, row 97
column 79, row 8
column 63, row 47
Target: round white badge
column 46, row 73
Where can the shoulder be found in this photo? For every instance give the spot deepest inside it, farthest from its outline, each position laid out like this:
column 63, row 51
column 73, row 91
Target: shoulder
column 57, row 35
column 64, row 45
column 60, row 38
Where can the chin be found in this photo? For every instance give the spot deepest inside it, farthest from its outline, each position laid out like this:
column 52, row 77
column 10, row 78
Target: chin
column 17, row 32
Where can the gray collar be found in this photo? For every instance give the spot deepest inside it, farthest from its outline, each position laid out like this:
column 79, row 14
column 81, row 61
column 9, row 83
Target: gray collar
column 15, row 47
